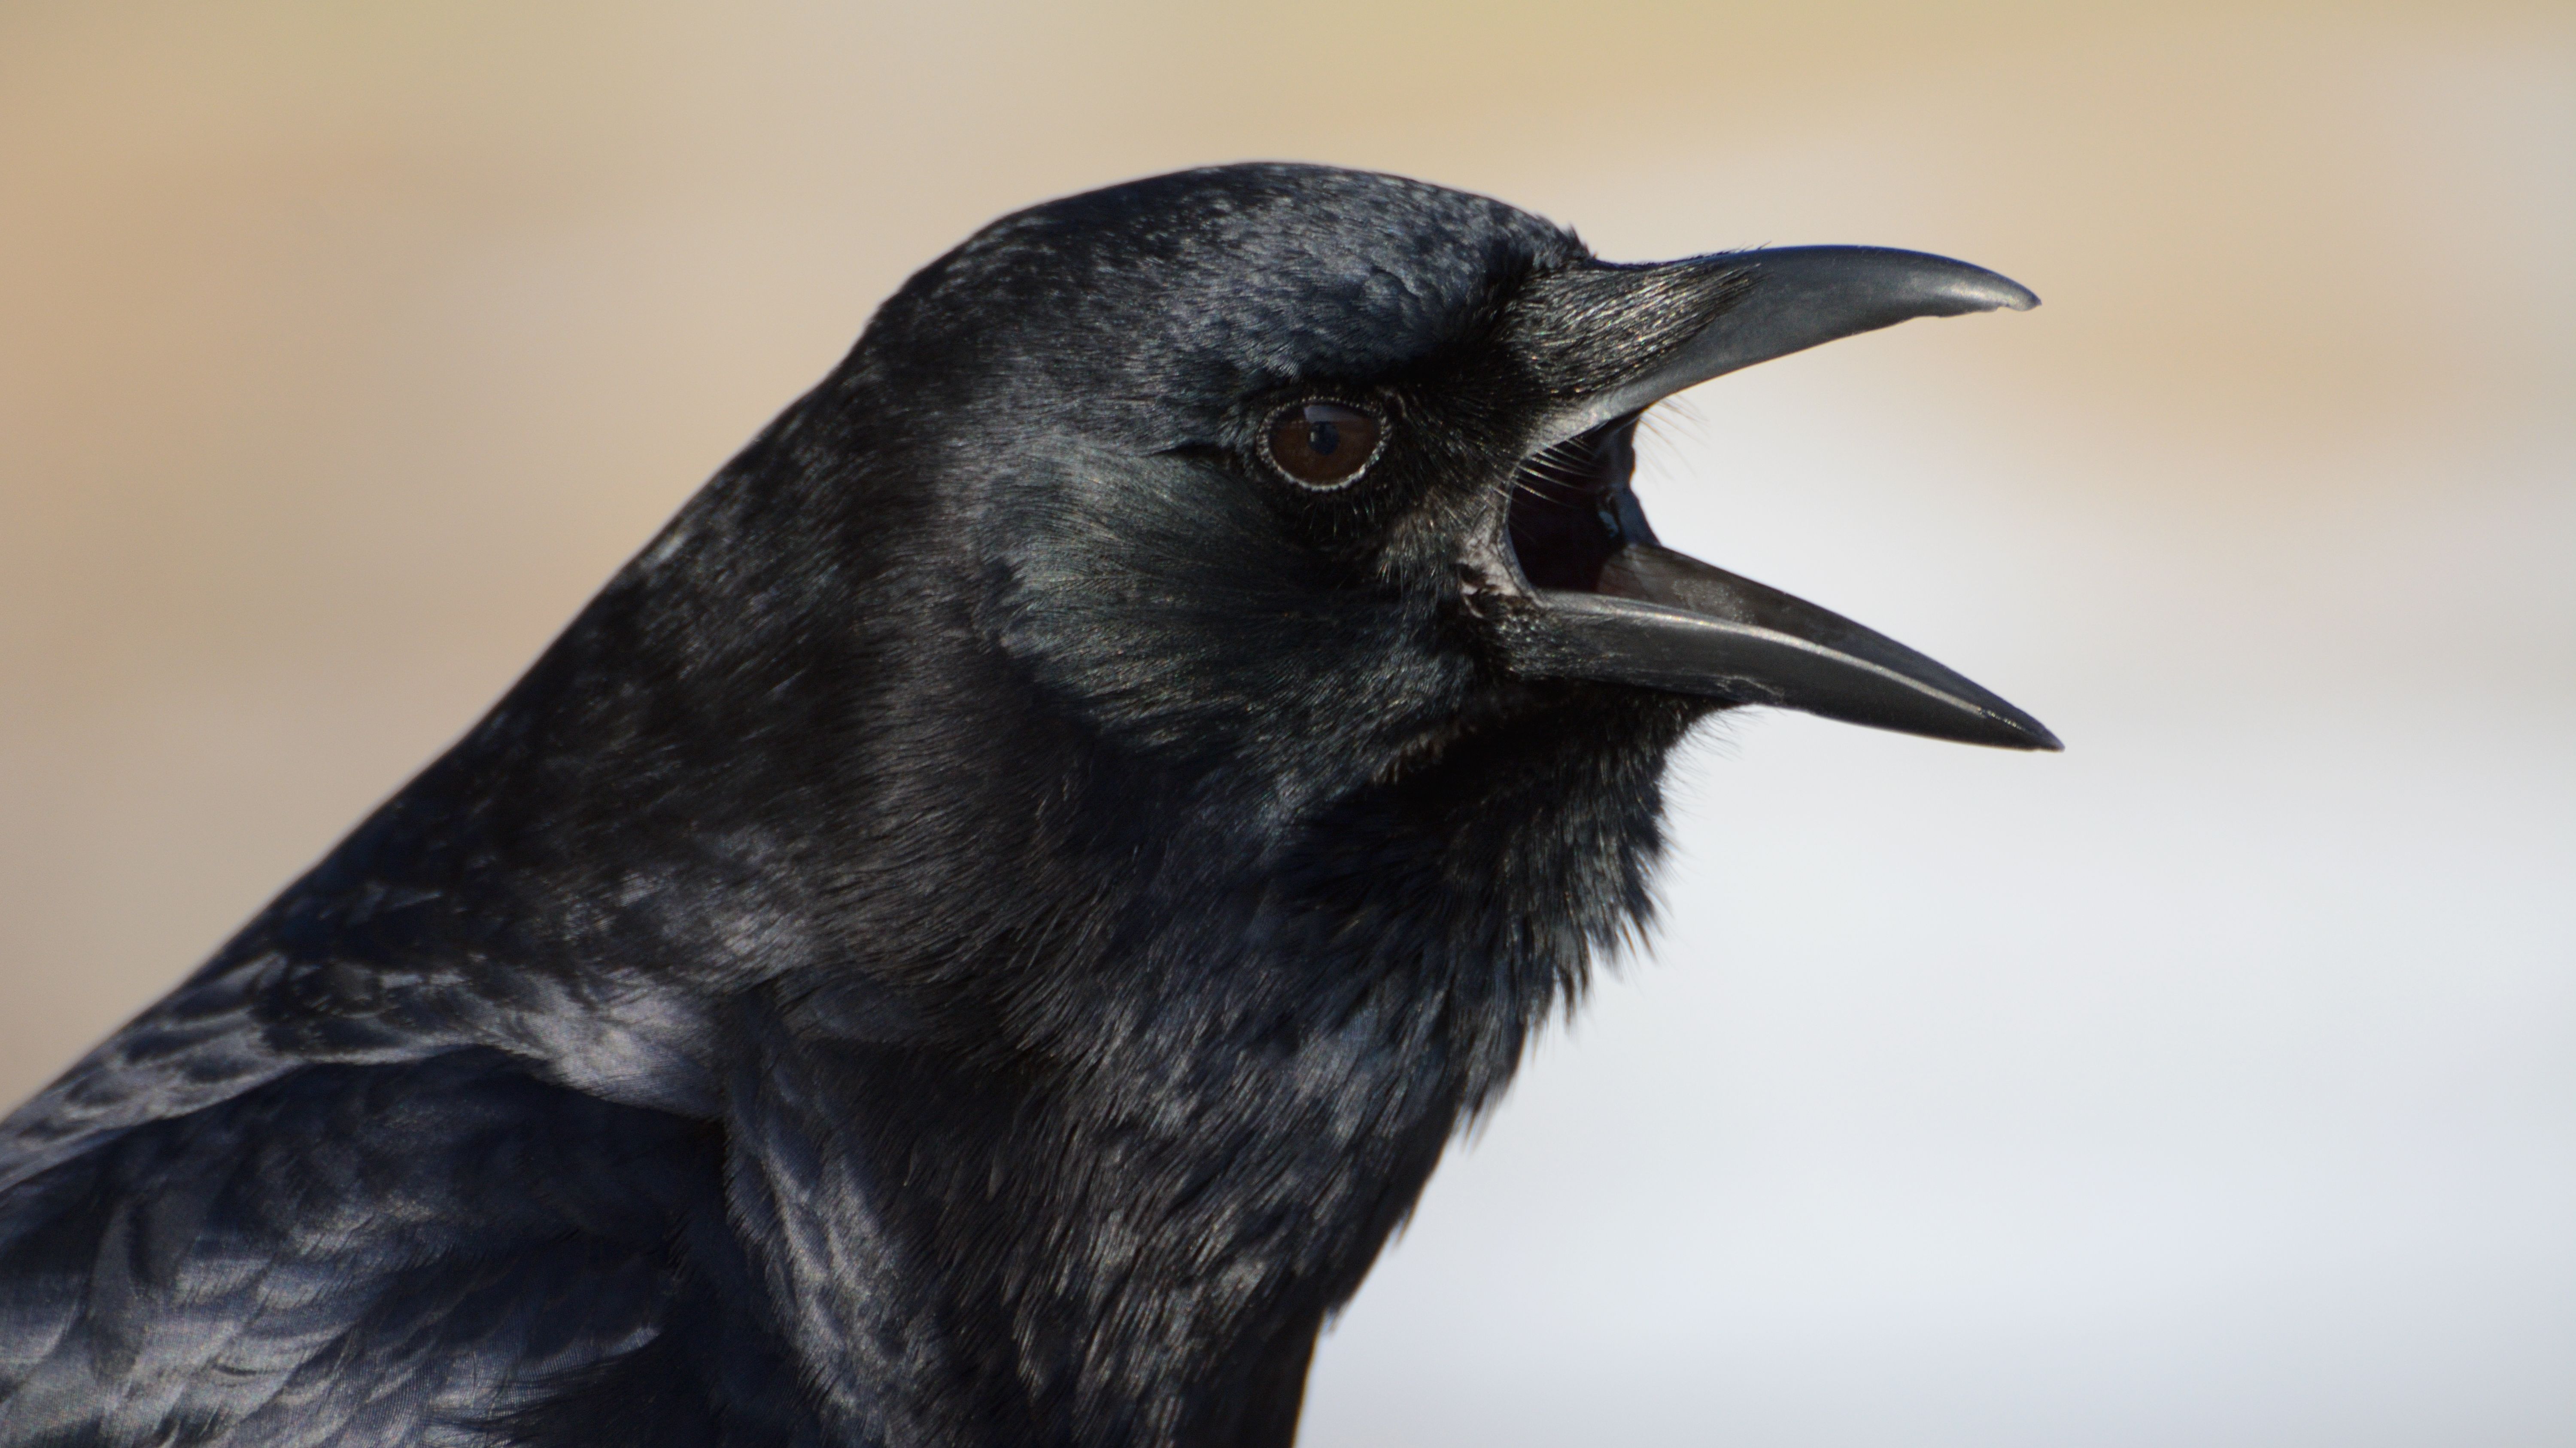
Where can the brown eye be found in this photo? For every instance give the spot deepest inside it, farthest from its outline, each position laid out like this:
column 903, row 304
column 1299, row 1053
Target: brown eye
column 1322, row 444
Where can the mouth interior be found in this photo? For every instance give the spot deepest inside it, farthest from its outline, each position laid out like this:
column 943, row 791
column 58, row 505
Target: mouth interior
column 1572, row 508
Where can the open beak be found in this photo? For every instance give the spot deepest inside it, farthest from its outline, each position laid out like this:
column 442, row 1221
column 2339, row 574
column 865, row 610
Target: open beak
column 1614, row 606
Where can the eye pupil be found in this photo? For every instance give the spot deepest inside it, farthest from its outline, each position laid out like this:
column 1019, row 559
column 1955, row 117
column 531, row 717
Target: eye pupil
column 1323, row 444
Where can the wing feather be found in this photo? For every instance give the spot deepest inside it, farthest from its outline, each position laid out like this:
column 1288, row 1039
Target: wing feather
column 389, row 1254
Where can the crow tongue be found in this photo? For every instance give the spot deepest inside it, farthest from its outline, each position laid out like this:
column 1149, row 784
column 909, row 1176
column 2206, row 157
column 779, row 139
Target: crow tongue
column 1572, row 508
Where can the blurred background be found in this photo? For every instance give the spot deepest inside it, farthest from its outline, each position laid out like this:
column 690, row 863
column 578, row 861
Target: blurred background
column 2213, row 1083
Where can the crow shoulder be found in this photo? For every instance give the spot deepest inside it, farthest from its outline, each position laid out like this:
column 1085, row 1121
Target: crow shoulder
column 422, row 1251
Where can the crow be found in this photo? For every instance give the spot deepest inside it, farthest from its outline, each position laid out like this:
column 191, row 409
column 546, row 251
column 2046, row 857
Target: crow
column 982, row 929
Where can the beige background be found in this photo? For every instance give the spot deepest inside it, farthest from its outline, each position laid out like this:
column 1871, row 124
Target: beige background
column 2214, row 1083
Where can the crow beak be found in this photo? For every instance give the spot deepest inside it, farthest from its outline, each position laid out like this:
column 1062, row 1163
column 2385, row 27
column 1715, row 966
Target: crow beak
column 1614, row 607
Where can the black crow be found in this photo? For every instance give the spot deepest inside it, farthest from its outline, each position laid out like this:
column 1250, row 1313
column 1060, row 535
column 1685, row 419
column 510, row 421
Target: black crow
column 981, row 930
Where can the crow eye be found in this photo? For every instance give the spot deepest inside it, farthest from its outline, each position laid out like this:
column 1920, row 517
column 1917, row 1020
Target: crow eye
column 1323, row 444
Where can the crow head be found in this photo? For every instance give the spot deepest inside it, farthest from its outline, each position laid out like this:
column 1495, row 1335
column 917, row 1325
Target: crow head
column 1241, row 560
column 1293, row 478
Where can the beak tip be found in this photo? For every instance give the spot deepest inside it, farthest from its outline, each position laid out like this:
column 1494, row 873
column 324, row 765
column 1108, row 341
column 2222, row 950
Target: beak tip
column 2028, row 733
column 1993, row 291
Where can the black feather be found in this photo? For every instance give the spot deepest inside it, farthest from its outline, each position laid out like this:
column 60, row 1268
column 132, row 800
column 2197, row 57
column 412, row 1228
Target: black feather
column 977, row 935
